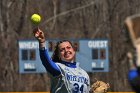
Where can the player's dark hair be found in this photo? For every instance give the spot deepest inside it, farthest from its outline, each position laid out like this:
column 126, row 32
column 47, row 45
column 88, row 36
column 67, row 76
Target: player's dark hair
column 55, row 57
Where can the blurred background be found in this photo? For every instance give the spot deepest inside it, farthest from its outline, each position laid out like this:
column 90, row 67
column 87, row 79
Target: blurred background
column 64, row 19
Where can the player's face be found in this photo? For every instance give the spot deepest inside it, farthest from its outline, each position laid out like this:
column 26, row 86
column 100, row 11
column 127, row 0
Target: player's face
column 66, row 51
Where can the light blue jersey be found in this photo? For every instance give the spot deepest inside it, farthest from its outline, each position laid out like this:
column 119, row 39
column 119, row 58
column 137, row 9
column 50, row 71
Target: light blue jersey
column 71, row 80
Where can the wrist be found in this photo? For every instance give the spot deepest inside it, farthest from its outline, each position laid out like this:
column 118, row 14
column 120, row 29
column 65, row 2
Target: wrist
column 41, row 41
column 42, row 44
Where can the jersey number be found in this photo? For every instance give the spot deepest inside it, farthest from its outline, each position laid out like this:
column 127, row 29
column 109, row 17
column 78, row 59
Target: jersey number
column 78, row 88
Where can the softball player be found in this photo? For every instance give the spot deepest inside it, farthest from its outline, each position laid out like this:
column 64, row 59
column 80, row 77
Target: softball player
column 65, row 75
column 134, row 72
column 132, row 24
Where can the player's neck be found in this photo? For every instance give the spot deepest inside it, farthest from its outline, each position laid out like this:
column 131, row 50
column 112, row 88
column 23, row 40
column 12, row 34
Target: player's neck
column 69, row 64
column 71, row 61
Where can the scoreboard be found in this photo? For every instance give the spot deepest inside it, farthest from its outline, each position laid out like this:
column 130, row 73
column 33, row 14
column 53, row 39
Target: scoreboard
column 92, row 55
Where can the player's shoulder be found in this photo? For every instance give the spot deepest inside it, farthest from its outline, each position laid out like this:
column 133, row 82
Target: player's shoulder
column 60, row 65
column 82, row 70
